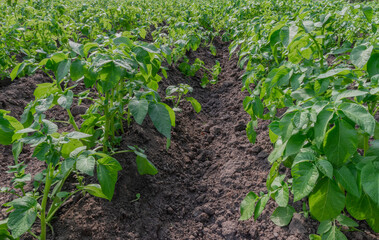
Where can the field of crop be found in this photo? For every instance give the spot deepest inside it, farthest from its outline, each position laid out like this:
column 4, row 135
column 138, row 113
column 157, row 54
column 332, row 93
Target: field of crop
column 189, row 119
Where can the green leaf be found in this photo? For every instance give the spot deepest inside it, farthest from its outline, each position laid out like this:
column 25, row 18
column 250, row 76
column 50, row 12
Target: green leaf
column 282, row 215
column 359, row 208
column 17, row 70
column 368, row 12
column 282, row 196
column 360, row 55
column 360, row 116
column 325, row 167
column 77, row 48
column 334, row 72
column 23, row 217
column 261, row 204
column 41, row 150
column 370, row 181
column 49, row 127
column 309, row 26
column 161, row 119
column 66, row 100
column 314, row 237
column 138, row 109
column 326, row 201
column 294, row 144
column 86, row 164
column 347, row 180
column 77, row 69
column 248, row 205
column 44, row 104
column 63, row 69
column 107, row 172
column 305, row 176
column 172, row 114
column 89, row 46
column 6, row 131
column 77, row 135
column 45, row 89
column 67, row 148
column 346, row 221
column 350, row 93
column 321, row 125
column 373, row 65
column 144, row 166
column 94, row 190
column 340, row 143
column 334, row 234
column 109, row 75
column 324, row 227
column 250, row 132
column 195, row 104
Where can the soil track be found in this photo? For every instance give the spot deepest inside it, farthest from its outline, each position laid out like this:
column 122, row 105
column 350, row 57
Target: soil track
column 202, row 178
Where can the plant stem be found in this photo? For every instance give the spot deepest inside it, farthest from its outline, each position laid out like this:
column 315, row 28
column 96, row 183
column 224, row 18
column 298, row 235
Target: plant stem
column 320, row 52
column 106, row 129
column 50, row 170
column 31, row 233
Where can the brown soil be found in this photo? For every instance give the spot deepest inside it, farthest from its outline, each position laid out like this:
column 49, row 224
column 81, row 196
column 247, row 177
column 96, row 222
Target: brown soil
column 202, row 178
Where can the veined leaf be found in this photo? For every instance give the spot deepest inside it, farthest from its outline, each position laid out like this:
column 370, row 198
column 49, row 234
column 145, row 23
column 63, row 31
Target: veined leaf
column 138, row 109
column 360, row 116
column 248, row 205
column 326, row 201
column 282, row 215
column 305, row 176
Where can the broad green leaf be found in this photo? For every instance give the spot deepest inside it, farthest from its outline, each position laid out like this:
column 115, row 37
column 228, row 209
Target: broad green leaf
column 67, row 148
column 195, row 104
column 88, row 47
column 368, row 12
column 248, row 205
column 86, row 164
column 49, row 127
column 346, row 221
column 305, row 176
column 41, row 150
column 44, row 104
column 360, row 55
column 373, row 65
column 45, row 89
column 23, row 217
column 340, row 143
column 138, row 109
column 6, row 131
column 77, row 135
column 347, row 180
column 359, row 208
column 17, row 70
column 94, row 190
column 277, row 152
column 144, row 166
column 261, row 204
column 161, row 119
column 309, row 26
column 63, row 69
column 370, row 181
column 334, row 234
column 360, row 116
column 326, row 201
column 324, row 227
column 109, row 75
column 304, row 156
column 77, row 48
column 282, row 215
column 282, row 196
column 107, row 172
column 350, row 93
column 66, row 100
column 334, row 72
column 325, row 167
column 294, row 144
column 321, row 126
column 172, row 114
column 77, row 70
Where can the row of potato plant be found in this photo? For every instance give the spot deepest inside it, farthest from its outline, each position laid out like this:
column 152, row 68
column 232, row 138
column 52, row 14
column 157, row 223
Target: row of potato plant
column 303, row 60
